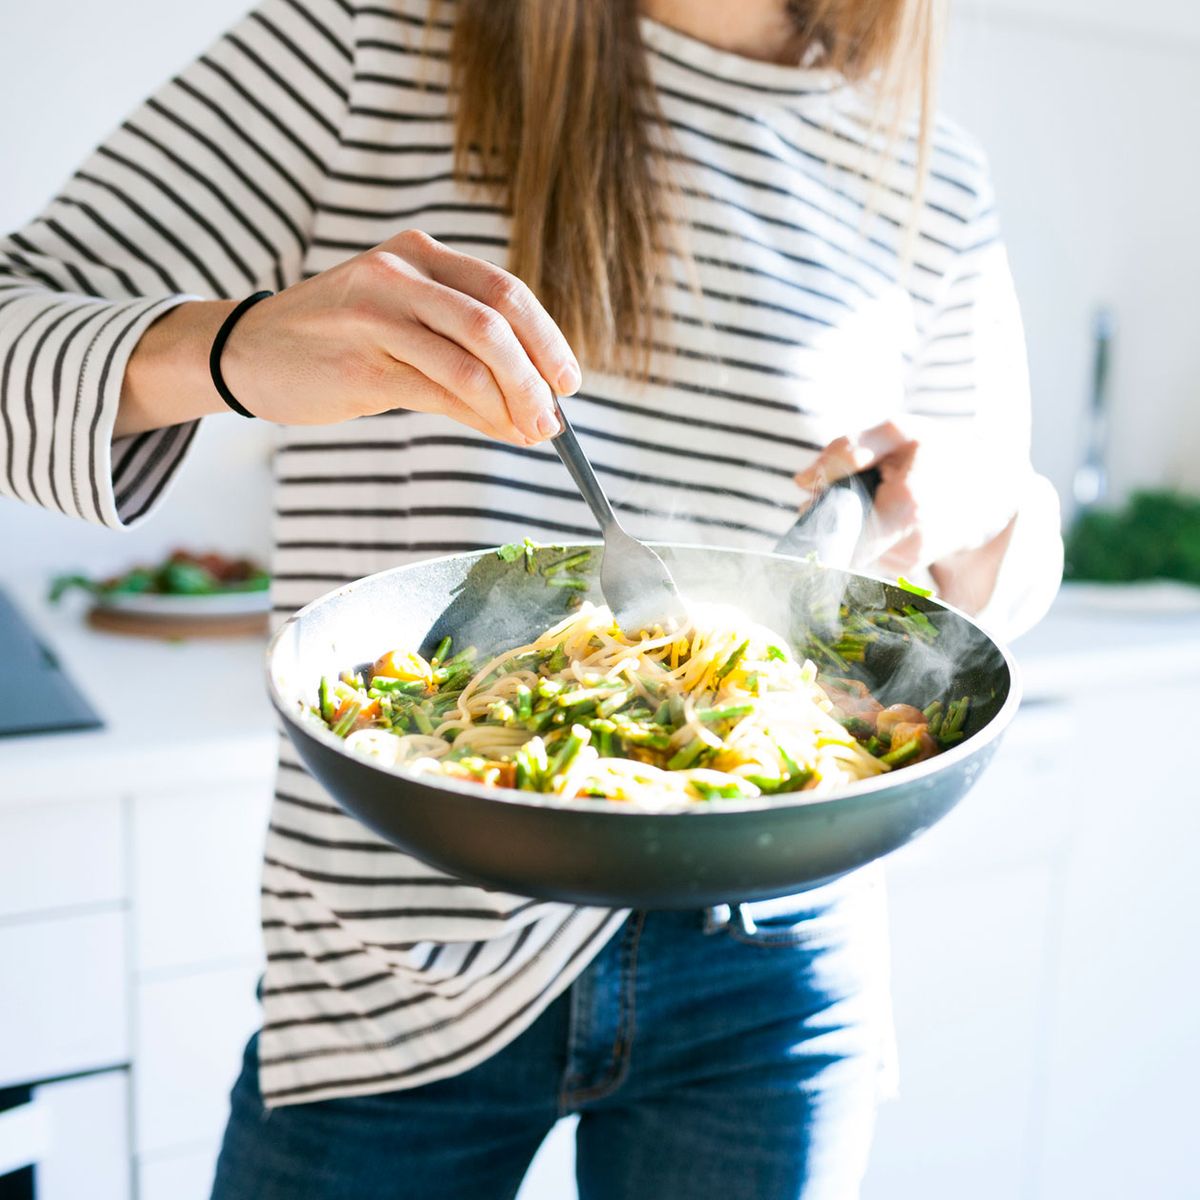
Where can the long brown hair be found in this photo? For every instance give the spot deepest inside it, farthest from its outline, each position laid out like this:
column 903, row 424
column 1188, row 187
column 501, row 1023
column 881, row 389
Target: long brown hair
column 554, row 98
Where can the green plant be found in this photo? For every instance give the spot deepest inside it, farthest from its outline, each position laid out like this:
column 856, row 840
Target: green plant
column 1155, row 536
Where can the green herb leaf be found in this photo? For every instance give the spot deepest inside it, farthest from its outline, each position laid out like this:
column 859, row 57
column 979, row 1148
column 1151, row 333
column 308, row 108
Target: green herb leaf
column 916, row 590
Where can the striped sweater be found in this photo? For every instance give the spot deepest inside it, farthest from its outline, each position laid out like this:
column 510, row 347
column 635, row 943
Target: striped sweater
column 318, row 128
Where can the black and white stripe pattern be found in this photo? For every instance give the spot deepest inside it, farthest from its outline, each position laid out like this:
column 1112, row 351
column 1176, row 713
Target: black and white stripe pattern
column 319, row 128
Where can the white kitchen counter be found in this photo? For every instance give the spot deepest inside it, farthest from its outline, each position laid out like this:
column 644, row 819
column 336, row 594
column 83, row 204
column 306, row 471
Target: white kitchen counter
column 1099, row 636
column 174, row 713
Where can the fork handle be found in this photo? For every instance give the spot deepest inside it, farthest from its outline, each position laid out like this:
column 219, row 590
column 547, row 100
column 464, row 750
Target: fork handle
column 576, row 462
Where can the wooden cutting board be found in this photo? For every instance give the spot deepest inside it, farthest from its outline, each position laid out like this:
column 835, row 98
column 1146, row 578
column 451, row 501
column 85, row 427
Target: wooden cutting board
column 175, row 628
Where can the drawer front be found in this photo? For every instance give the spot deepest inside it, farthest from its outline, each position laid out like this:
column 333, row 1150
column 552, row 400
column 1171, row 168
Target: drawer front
column 63, row 1004
column 180, row 1175
column 197, row 859
column 60, row 854
column 88, row 1153
column 191, row 1032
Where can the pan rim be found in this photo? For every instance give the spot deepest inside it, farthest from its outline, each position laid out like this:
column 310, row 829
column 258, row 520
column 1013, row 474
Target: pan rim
column 863, row 789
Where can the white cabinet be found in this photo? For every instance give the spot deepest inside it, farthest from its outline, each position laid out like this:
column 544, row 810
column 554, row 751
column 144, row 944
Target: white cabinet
column 969, row 984
column 72, row 1137
column 64, row 1004
column 130, row 913
column 1123, row 1028
column 191, row 1030
column 87, row 1156
column 197, row 857
column 196, row 862
column 179, row 1175
column 61, row 855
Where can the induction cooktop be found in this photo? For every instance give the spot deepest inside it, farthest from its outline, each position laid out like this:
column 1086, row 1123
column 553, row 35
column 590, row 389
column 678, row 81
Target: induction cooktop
column 36, row 694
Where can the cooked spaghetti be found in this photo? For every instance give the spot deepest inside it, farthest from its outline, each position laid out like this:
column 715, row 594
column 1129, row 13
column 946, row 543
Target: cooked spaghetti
column 718, row 709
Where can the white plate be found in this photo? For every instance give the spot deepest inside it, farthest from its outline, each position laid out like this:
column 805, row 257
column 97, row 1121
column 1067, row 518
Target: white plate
column 217, row 604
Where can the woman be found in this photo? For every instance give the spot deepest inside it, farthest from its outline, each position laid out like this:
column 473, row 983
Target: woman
column 720, row 212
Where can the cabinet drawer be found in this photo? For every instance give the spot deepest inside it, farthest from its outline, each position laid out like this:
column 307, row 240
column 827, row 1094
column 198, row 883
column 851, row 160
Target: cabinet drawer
column 62, row 1006
column 181, row 1175
column 88, row 1151
column 60, row 854
column 191, row 1032
column 197, row 859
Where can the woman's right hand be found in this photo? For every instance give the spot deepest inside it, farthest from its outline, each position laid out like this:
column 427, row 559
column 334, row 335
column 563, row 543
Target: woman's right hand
column 410, row 324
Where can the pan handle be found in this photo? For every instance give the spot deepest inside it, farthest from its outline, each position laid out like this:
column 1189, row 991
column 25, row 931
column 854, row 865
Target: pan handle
column 832, row 525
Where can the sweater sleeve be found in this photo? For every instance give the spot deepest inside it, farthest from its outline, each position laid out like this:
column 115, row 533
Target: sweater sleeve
column 207, row 191
column 968, row 397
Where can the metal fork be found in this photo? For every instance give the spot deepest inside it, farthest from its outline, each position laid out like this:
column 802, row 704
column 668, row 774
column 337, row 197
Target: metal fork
column 635, row 581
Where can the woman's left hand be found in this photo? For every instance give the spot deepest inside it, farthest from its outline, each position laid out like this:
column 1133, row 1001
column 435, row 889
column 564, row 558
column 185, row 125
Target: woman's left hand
column 917, row 517
column 898, row 535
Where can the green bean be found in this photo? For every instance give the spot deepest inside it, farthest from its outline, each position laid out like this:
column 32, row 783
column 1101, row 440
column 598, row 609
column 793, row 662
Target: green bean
column 902, row 754
column 956, row 715
column 686, row 755
column 606, row 708
column 727, row 713
column 540, row 720
column 325, row 698
column 567, row 564
column 857, row 726
column 732, row 661
column 583, row 695
column 407, row 687
column 652, row 685
column 346, row 723
column 651, row 739
column 575, row 741
column 717, row 791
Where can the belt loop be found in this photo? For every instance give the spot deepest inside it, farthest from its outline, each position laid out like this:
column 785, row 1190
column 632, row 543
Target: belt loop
column 716, row 918
column 743, row 921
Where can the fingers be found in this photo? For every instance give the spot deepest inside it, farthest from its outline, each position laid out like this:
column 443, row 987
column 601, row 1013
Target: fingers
column 399, row 290
column 891, row 537
column 849, row 455
column 401, row 385
column 456, row 372
column 533, row 327
column 529, row 356
column 486, row 335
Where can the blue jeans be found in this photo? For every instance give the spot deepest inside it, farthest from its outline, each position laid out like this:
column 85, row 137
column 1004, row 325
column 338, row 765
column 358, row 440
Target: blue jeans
column 708, row 1059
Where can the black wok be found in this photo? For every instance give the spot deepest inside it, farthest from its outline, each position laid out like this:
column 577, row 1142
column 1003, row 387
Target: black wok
column 600, row 852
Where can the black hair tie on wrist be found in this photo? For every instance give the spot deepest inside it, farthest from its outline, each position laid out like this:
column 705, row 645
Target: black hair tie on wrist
column 214, row 355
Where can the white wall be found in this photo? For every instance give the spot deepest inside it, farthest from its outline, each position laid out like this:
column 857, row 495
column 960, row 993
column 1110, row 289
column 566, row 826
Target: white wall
column 1088, row 111
column 77, row 68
